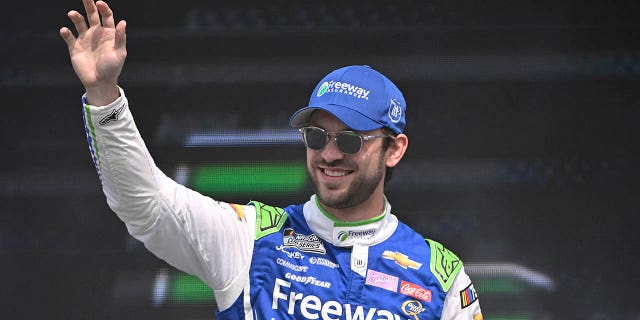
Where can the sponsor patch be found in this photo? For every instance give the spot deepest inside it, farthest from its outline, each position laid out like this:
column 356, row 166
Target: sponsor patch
column 291, row 254
column 302, row 242
column 401, row 259
column 291, row 266
column 382, row 280
column 416, row 291
column 311, row 306
column 307, row 280
column 345, row 235
column 413, row 308
column 468, row 296
column 324, row 262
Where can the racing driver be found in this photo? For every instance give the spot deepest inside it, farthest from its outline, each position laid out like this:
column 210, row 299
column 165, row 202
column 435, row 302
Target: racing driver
column 340, row 255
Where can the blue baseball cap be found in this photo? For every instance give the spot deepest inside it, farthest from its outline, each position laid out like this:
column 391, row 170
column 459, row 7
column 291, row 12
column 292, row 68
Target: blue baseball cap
column 361, row 97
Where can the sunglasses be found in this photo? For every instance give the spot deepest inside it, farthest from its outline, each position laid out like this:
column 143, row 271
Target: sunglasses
column 349, row 142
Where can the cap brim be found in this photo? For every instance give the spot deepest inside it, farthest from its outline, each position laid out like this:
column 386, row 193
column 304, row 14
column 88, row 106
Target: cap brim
column 351, row 118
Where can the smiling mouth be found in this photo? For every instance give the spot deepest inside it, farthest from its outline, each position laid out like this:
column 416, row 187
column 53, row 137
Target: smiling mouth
column 335, row 173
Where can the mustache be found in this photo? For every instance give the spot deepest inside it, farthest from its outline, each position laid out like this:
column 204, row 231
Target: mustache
column 335, row 163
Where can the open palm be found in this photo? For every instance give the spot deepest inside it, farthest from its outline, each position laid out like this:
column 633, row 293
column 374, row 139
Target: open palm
column 99, row 51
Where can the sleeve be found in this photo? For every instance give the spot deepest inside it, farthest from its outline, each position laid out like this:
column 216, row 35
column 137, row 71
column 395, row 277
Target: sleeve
column 194, row 233
column 461, row 302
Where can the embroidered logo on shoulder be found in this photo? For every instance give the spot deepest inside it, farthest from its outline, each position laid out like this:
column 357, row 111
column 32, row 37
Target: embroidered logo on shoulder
column 111, row 117
column 268, row 219
column 445, row 265
column 401, row 259
column 303, row 242
column 468, row 296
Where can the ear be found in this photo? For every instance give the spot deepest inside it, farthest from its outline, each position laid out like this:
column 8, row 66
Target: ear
column 396, row 150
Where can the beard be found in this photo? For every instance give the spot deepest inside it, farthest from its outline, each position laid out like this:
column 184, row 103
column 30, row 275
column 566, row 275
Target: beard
column 356, row 193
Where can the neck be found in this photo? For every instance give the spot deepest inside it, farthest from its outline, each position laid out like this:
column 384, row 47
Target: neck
column 371, row 208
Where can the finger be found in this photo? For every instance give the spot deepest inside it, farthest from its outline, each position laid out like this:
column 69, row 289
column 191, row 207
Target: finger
column 68, row 37
column 78, row 21
column 106, row 13
column 92, row 13
column 121, row 35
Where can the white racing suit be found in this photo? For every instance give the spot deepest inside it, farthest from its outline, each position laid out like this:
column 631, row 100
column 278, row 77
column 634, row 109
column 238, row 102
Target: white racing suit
column 264, row 262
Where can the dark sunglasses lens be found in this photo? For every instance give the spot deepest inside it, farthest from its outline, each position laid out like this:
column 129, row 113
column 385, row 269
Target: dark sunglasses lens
column 349, row 142
column 315, row 138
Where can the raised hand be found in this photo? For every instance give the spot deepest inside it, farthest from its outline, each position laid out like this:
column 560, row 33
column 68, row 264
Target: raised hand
column 98, row 52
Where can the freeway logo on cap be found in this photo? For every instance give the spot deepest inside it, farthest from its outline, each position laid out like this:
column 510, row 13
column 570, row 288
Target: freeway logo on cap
column 344, row 88
column 323, row 89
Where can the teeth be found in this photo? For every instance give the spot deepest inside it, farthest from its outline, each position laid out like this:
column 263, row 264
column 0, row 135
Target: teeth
column 333, row 173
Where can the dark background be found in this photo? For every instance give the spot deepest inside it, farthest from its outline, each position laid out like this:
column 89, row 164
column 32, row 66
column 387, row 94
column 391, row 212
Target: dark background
column 522, row 119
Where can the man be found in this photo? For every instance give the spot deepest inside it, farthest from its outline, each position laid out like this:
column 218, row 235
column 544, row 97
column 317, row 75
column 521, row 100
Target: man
column 341, row 255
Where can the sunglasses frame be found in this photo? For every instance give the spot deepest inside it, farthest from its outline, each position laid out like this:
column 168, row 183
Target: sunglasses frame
column 363, row 137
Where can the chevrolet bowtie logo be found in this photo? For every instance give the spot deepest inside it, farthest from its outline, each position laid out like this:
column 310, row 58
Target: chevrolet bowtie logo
column 401, row 259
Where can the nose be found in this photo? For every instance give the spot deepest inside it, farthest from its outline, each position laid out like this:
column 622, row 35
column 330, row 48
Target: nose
column 331, row 152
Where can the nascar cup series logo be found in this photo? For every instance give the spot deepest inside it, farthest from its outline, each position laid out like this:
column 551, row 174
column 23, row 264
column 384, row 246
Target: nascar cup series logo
column 343, row 88
column 302, row 242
